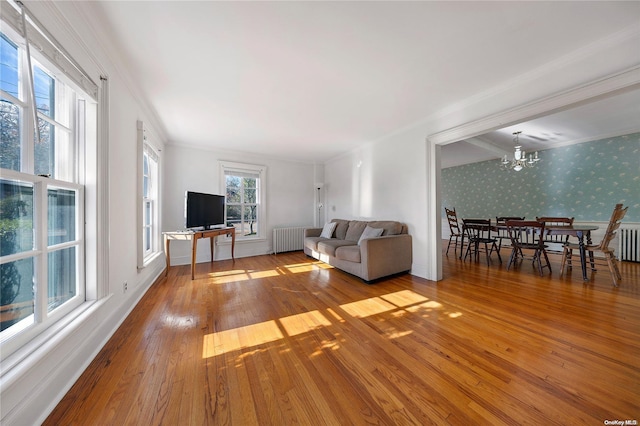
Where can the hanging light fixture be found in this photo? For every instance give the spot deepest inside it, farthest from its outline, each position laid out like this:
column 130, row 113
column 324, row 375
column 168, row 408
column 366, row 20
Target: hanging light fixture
column 520, row 160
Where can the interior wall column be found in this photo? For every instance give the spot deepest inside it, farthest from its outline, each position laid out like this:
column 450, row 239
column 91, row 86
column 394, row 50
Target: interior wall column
column 433, row 208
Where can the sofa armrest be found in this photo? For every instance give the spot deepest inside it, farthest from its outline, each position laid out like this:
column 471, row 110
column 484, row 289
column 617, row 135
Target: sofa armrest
column 312, row 232
column 387, row 255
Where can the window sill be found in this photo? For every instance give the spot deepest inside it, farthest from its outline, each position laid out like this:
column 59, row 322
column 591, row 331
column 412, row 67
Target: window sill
column 149, row 260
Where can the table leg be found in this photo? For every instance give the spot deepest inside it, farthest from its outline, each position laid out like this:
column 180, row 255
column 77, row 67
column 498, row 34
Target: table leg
column 233, row 244
column 167, row 255
column 194, row 244
column 211, row 241
column 583, row 256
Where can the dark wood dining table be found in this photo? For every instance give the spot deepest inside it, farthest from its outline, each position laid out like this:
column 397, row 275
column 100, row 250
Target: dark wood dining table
column 580, row 232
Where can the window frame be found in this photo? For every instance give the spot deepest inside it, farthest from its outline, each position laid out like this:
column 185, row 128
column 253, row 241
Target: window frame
column 71, row 101
column 151, row 198
column 260, row 171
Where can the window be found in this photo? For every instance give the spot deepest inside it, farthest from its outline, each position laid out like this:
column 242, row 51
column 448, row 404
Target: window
column 149, row 245
column 244, row 203
column 42, row 216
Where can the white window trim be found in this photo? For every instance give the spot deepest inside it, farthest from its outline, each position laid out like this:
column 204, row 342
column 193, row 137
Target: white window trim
column 145, row 257
column 16, row 344
column 261, row 171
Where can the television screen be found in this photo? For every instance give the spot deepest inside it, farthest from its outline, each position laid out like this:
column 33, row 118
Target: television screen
column 203, row 210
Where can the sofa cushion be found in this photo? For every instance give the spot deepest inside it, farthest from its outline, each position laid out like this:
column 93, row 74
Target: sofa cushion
column 327, row 231
column 312, row 242
column 329, row 246
column 390, row 227
column 356, row 228
column 341, row 229
column 370, row 232
column 349, row 253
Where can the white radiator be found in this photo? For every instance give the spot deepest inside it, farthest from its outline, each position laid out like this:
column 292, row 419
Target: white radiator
column 288, row 239
column 629, row 244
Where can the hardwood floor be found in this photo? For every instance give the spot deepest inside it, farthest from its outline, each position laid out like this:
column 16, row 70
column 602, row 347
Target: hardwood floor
column 285, row 339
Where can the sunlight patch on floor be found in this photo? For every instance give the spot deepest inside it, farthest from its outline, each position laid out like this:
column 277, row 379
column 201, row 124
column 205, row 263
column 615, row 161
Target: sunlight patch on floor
column 425, row 307
column 326, row 345
column 398, row 334
column 301, row 323
column 240, row 338
column 398, row 304
column 235, row 275
column 223, row 277
column 404, row 298
column 335, row 315
column 297, row 268
column 368, row 307
column 263, row 274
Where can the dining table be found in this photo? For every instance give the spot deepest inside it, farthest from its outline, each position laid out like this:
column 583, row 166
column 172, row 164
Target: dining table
column 580, row 232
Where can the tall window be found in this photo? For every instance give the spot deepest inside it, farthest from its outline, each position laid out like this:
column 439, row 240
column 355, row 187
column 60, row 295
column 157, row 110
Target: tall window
column 244, row 189
column 149, row 190
column 42, row 246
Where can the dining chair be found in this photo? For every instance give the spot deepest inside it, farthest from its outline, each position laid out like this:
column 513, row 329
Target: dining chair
column 454, row 227
column 603, row 247
column 528, row 235
column 478, row 231
column 556, row 241
column 501, row 228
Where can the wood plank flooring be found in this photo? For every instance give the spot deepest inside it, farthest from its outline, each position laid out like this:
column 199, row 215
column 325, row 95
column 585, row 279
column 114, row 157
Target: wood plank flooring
column 278, row 340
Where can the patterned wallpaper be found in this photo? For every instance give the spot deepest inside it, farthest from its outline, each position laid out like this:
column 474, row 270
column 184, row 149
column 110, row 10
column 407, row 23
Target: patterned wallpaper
column 584, row 181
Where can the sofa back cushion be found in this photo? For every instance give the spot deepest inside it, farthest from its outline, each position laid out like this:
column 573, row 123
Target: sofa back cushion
column 351, row 230
column 356, row 228
column 390, row 227
column 341, row 229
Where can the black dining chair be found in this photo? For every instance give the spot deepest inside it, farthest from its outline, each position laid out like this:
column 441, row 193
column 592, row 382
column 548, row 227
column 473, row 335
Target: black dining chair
column 478, row 232
column 528, row 235
column 501, row 228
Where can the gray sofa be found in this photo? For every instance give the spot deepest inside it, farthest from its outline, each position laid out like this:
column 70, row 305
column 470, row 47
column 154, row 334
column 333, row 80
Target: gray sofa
column 367, row 258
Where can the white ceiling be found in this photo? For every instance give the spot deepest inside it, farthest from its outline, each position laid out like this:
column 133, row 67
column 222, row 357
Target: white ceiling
column 311, row 80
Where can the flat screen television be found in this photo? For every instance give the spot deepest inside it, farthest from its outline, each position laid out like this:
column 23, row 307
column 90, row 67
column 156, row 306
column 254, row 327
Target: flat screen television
column 204, row 210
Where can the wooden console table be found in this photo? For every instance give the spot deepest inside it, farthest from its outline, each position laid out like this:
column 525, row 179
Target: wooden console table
column 194, row 236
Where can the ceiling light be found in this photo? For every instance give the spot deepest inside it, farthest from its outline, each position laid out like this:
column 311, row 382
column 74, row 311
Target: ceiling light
column 520, row 160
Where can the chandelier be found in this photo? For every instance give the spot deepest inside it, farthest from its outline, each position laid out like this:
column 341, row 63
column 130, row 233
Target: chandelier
column 520, row 160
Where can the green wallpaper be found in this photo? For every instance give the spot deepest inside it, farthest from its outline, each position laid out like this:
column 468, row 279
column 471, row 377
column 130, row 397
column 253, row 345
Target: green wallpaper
column 584, row 181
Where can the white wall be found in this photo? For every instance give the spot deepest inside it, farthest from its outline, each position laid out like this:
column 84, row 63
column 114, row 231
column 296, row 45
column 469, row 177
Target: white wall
column 290, row 197
column 383, row 181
